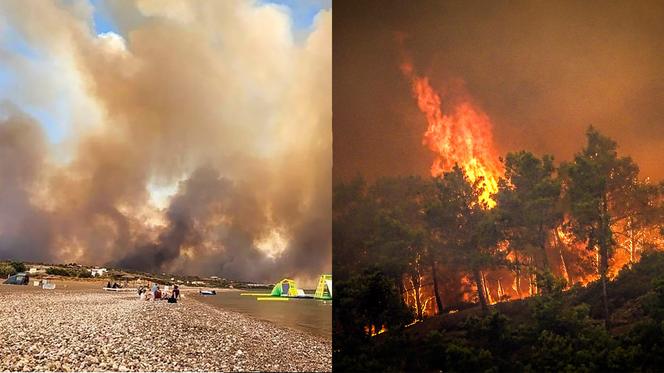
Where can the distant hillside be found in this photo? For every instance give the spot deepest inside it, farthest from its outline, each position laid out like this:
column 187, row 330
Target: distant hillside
column 8, row 268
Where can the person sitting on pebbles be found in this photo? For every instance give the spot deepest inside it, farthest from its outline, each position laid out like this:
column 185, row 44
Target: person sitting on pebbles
column 157, row 294
column 175, row 294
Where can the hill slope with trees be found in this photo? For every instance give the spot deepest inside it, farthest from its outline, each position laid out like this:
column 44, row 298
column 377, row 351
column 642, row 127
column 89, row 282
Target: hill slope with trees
column 562, row 273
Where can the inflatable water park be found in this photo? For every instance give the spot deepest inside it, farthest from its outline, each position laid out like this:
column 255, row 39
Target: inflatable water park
column 287, row 289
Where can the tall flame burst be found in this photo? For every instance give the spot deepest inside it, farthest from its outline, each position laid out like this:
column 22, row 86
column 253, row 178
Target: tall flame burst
column 461, row 137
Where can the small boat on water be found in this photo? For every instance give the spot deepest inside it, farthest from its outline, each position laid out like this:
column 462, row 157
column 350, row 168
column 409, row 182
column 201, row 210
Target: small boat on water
column 207, row 292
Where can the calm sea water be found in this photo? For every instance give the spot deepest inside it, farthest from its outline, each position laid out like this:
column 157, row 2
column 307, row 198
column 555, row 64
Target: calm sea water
column 310, row 315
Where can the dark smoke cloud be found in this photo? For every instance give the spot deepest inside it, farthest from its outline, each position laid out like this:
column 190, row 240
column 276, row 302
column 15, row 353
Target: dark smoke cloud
column 209, row 213
column 24, row 228
column 542, row 70
column 183, row 101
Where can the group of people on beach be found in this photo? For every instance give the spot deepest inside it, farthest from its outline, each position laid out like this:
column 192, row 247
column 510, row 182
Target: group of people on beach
column 155, row 293
column 114, row 286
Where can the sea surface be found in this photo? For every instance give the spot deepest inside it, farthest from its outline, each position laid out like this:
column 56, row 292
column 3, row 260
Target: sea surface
column 310, row 315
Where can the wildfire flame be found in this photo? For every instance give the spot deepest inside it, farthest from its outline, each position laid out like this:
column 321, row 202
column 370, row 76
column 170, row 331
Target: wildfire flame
column 461, row 137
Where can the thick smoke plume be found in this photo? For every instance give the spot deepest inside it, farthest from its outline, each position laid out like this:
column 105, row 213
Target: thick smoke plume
column 197, row 139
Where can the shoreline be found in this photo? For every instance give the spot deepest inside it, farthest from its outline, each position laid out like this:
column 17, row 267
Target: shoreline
column 259, row 320
column 92, row 330
column 319, row 335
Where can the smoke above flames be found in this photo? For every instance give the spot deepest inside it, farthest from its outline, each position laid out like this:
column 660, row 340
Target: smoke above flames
column 197, row 139
column 542, row 72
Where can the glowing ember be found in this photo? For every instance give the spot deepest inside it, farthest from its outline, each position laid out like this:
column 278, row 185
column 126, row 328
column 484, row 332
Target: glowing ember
column 373, row 332
column 462, row 137
column 412, row 323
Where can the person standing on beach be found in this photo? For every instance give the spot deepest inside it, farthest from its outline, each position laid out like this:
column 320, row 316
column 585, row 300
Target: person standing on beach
column 154, row 290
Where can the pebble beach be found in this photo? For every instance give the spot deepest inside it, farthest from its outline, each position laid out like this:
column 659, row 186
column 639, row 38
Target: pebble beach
column 93, row 330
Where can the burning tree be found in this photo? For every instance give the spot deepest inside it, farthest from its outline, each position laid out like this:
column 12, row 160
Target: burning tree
column 383, row 225
column 597, row 180
column 464, row 225
column 638, row 221
column 400, row 235
column 528, row 204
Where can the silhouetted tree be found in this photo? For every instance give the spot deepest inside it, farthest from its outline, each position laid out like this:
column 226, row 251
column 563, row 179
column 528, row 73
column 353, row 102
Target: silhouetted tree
column 528, row 206
column 598, row 178
column 400, row 240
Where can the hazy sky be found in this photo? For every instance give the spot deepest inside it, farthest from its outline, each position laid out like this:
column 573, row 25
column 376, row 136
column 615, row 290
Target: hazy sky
column 542, row 70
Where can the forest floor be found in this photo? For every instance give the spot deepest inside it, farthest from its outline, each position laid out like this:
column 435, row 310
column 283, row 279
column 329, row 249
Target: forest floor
column 626, row 294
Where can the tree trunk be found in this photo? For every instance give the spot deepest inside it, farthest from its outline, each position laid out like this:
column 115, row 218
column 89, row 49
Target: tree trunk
column 604, row 245
column 603, row 269
column 487, row 293
column 532, row 283
column 630, row 229
column 545, row 257
column 418, row 304
column 439, row 303
column 501, row 291
column 402, row 289
column 480, row 290
column 560, row 244
column 605, row 300
column 563, row 268
column 517, row 272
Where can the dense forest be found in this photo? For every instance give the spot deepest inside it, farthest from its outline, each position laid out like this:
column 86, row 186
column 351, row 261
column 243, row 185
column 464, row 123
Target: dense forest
column 559, row 270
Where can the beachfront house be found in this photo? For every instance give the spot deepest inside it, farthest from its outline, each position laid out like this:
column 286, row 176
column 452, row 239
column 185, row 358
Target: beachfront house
column 98, row 272
column 36, row 270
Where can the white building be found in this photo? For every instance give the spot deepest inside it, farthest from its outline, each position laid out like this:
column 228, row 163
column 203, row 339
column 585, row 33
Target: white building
column 98, row 272
column 36, row 270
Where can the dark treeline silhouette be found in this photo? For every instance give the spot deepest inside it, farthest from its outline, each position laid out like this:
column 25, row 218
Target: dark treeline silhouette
column 423, row 267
